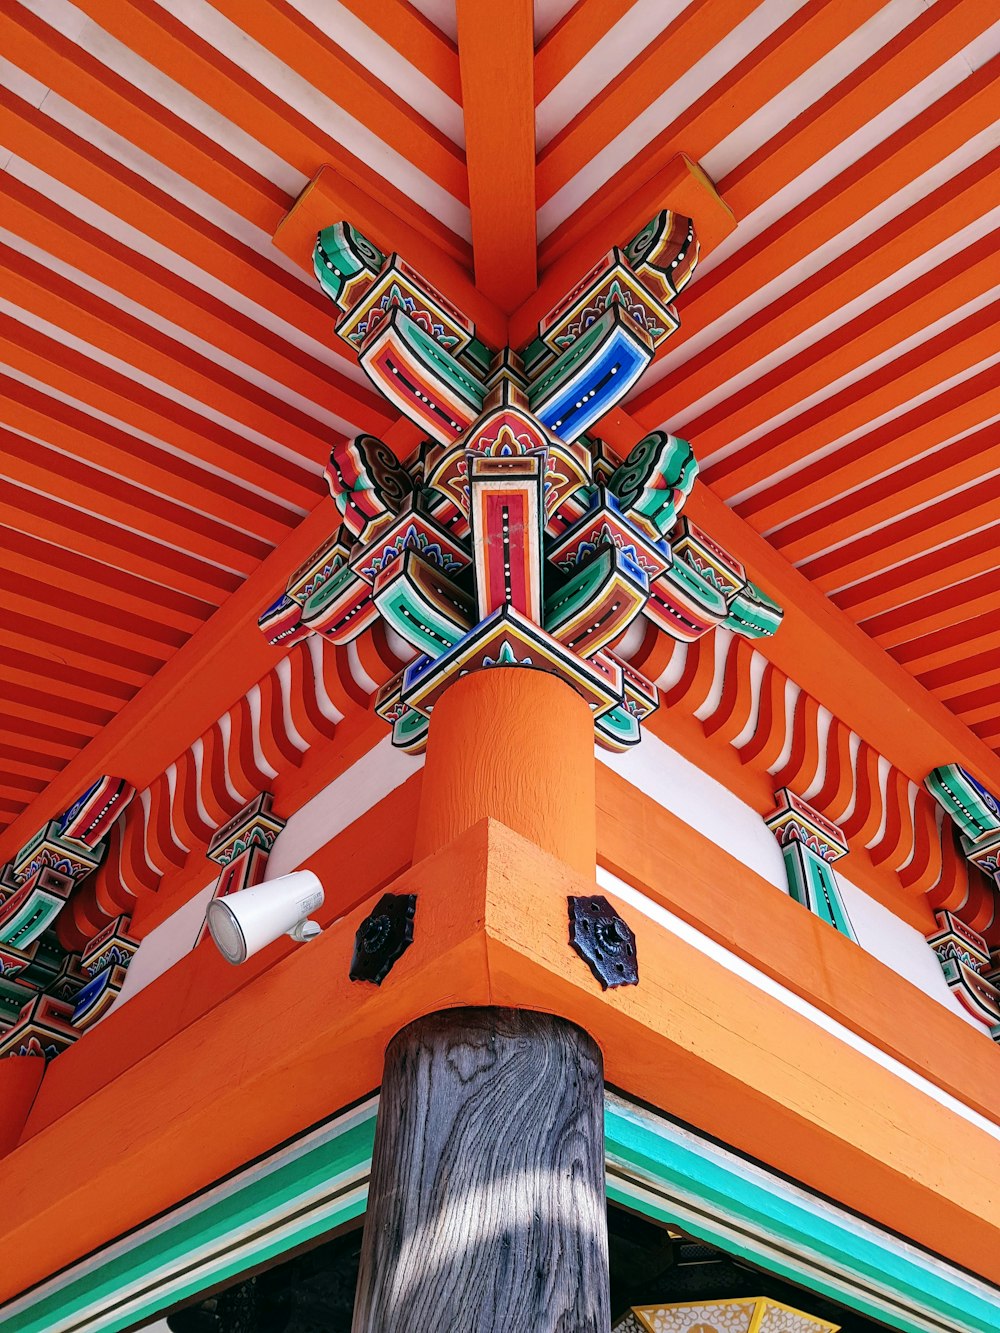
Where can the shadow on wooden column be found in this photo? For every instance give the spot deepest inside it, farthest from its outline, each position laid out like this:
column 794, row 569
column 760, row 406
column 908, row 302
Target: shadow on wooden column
column 486, row 1212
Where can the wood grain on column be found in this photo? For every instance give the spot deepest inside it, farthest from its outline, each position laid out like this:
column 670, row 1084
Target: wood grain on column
column 515, row 745
column 487, row 1212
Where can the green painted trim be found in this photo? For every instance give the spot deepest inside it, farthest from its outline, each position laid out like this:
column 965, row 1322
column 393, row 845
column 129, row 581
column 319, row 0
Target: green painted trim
column 315, row 1185
column 320, row 1181
column 672, row 1174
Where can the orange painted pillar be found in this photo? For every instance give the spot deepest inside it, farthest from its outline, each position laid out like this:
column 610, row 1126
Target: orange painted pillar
column 515, row 745
column 20, row 1078
column 486, row 1113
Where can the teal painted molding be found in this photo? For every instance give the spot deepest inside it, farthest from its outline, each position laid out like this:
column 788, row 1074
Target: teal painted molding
column 305, row 1190
column 320, row 1181
column 671, row 1174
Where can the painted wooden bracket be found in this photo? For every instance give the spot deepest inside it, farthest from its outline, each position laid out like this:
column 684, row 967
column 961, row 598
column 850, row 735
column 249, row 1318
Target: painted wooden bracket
column 401, row 227
column 682, row 186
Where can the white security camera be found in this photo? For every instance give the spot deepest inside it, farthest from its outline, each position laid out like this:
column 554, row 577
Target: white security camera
column 243, row 922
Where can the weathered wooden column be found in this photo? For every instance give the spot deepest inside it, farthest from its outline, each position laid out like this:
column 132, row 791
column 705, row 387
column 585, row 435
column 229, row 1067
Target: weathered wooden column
column 487, row 1210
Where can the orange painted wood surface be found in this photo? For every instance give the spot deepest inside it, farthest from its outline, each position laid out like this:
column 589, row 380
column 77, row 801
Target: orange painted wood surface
column 515, row 746
column 20, row 1078
column 682, row 870
column 491, row 928
column 496, row 51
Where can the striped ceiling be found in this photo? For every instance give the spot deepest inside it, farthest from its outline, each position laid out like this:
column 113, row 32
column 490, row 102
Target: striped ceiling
column 170, row 383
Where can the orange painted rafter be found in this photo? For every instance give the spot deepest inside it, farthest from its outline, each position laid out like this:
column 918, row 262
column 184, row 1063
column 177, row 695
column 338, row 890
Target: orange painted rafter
column 988, row 732
column 414, row 36
column 198, row 683
column 72, row 431
column 845, row 353
column 690, row 36
column 115, row 333
column 920, row 577
column 174, row 49
column 970, row 671
column 680, row 185
column 934, row 36
column 938, row 610
column 99, row 664
column 944, row 645
column 959, row 464
column 928, row 529
column 815, row 29
column 164, row 293
column 496, row 51
column 60, row 741
column 141, row 600
column 40, row 517
column 78, row 676
column 105, row 390
column 942, row 128
column 23, row 596
column 36, row 701
column 28, row 763
column 59, row 475
column 313, row 55
column 951, row 352
column 576, row 34
column 956, row 412
column 982, row 714
column 67, row 157
column 908, row 238
column 45, row 54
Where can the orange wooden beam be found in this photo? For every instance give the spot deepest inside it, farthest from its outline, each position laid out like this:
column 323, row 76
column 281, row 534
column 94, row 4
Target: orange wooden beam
column 41, row 517
column 762, row 75
column 33, row 413
column 942, row 128
column 56, row 473
column 687, row 1039
column 45, row 54
column 496, row 56
column 173, row 48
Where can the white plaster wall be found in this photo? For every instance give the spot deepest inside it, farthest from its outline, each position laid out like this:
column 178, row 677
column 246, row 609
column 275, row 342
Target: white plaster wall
column 898, row 944
column 364, row 784
column 166, row 944
column 701, row 801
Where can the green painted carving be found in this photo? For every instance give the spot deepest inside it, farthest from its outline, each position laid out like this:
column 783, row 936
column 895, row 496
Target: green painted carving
column 656, row 479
